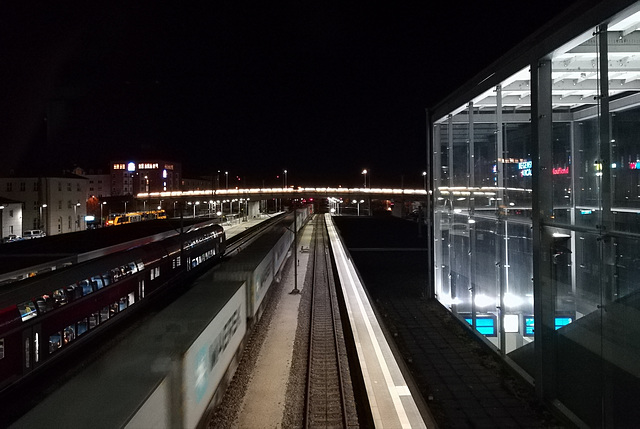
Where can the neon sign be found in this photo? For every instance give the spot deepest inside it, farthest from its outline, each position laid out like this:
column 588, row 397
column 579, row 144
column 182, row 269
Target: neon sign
column 525, row 168
column 560, row 170
column 634, row 165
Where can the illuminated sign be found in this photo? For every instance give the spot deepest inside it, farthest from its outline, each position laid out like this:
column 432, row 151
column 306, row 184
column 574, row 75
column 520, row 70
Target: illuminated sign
column 524, row 165
column 131, row 166
column 164, row 174
column 525, row 168
column 148, row 166
column 168, row 166
column 119, row 166
column 560, row 170
column 634, row 165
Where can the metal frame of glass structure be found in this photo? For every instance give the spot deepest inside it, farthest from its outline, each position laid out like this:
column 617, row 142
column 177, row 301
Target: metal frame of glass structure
column 535, row 207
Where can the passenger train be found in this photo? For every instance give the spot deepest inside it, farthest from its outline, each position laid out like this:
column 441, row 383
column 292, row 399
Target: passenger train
column 130, row 217
column 45, row 317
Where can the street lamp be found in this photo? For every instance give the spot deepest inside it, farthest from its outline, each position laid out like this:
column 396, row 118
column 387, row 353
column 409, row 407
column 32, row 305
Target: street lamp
column 364, row 172
column 40, row 223
column 75, row 213
column 194, row 208
column 125, row 207
column 101, row 219
column 285, row 178
column 424, row 176
column 226, row 179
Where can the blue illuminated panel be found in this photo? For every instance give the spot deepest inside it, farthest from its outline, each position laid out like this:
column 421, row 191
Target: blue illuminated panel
column 528, row 326
column 486, row 325
column 562, row 321
column 559, row 322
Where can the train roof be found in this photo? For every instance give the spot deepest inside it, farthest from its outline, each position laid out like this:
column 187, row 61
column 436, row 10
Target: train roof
column 128, row 373
column 21, row 259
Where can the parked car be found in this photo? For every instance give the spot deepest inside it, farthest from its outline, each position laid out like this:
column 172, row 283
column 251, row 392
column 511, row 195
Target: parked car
column 11, row 238
column 33, row 233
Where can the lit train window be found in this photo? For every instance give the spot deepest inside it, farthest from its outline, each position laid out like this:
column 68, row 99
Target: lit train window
column 85, row 287
column 69, row 334
column 83, row 326
column 113, row 309
column 97, row 282
column 44, row 303
column 94, row 320
column 59, row 298
column 27, row 310
column 104, row 314
column 123, row 304
column 73, row 292
column 55, row 342
column 107, row 278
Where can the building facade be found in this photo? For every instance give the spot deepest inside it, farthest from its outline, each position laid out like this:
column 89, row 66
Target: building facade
column 133, row 177
column 535, row 178
column 55, row 205
column 10, row 217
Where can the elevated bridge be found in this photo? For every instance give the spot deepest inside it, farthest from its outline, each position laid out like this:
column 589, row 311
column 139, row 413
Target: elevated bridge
column 252, row 201
column 288, row 193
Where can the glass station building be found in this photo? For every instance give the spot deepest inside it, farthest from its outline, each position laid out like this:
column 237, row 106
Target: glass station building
column 535, row 184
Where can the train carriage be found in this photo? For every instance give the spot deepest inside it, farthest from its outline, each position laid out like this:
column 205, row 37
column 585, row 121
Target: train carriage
column 48, row 315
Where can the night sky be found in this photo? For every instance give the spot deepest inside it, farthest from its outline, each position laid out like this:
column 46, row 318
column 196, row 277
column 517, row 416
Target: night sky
column 322, row 89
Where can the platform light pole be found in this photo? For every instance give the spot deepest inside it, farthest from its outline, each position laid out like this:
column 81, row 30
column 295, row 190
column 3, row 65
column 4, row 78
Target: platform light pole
column 40, row 222
column 285, row 179
column 295, row 254
column 424, row 177
column 226, row 178
column 364, row 172
column 101, row 218
column 75, row 214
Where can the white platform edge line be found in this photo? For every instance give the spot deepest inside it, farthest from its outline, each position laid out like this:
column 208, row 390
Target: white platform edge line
column 391, row 386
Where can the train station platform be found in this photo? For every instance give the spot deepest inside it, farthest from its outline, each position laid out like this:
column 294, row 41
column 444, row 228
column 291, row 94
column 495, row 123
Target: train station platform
column 391, row 401
column 464, row 384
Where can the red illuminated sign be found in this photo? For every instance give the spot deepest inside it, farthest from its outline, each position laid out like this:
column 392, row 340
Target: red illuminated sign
column 560, row 170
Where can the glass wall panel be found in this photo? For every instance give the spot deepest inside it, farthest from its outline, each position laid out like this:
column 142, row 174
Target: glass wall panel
column 620, row 290
column 575, row 268
column 586, row 318
column 441, row 213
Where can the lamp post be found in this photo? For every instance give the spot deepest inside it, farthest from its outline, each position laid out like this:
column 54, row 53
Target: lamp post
column 41, row 225
column 424, row 176
column 364, row 172
column 75, row 215
column 226, row 179
column 125, row 206
column 1, row 221
column 101, row 219
column 285, row 179
column 194, row 208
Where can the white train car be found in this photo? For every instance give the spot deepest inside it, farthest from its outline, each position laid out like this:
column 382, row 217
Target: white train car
column 258, row 265
column 173, row 368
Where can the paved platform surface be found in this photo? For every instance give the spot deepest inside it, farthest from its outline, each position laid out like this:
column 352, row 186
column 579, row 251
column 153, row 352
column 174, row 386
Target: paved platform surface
column 462, row 382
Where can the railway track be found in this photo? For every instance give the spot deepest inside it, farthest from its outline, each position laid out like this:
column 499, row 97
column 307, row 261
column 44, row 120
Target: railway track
column 329, row 397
